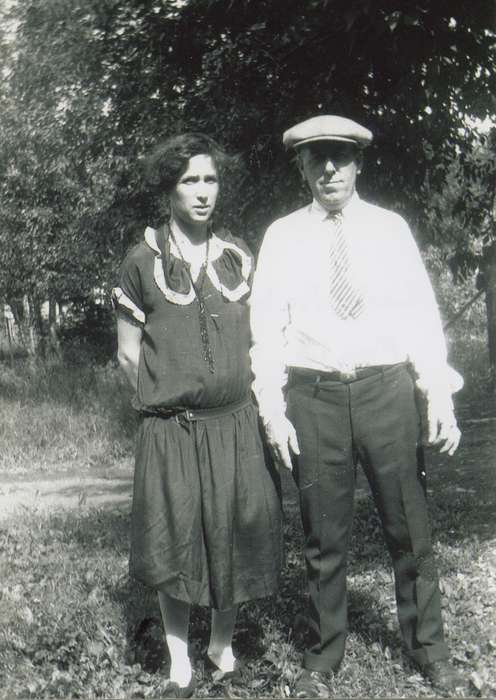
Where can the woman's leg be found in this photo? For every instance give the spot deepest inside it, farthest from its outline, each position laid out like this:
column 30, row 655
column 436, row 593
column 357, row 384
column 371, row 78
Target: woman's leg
column 175, row 617
column 220, row 646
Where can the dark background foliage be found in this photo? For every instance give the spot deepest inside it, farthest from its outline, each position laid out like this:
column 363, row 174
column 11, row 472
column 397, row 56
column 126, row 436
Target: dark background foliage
column 91, row 85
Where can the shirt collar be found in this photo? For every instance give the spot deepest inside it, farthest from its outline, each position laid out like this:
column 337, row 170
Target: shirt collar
column 317, row 210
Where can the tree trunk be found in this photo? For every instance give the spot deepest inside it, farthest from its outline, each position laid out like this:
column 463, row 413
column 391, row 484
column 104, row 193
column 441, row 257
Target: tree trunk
column 53, row 338
column 490, row 285
column 21, row 323
column 7, row 318
column 30, row 326
column 36, row 327
column 3, row 322
column 27, row 315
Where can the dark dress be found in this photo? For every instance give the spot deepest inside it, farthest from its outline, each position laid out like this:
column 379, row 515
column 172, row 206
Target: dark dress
column 206, row 519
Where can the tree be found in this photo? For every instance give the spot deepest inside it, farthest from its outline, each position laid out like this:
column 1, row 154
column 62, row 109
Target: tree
column 65, row 181
column 93, row 83
column 412, row 71
column 461, row 220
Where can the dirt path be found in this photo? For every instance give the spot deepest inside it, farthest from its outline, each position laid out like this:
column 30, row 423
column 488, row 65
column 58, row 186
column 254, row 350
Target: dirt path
column 472, row 470
column 110, row 488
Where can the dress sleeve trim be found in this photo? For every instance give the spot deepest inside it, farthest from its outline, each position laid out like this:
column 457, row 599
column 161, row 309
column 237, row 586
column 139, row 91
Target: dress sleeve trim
column 120, row 299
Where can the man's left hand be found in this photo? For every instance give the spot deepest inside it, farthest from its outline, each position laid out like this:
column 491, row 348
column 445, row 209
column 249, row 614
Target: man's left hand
column 442, row 426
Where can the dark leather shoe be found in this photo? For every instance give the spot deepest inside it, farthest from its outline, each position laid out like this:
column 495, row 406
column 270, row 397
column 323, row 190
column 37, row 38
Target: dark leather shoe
column 444, row 676
column 174, row 690
column 312, row 684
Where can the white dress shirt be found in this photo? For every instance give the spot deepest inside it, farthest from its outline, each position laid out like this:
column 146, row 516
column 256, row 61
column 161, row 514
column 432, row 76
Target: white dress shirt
column 294, row 324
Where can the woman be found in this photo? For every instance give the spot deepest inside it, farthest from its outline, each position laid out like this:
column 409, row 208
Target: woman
column 206, row 513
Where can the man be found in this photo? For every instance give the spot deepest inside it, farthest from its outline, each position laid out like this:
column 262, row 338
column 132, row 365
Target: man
column 346, row 332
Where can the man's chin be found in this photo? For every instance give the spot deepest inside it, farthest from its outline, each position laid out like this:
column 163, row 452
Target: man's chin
column 333, row 202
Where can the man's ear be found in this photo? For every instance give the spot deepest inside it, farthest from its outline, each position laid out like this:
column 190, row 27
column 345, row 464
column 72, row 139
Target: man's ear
column 359, row 161
column 299, row 164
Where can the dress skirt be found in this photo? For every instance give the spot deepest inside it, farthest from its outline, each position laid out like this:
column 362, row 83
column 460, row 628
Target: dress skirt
column 206, row 519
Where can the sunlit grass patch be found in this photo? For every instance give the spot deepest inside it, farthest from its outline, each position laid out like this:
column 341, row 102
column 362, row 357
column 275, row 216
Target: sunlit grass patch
column 62, row 417
column 65, row 592
column 69, row 615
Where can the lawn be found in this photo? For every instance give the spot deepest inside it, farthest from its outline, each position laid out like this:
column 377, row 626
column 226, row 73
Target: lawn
column 74, row 625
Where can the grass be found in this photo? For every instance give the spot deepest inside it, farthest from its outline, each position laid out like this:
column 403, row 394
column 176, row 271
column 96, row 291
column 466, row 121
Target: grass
column 62, row 417
column 69, row 614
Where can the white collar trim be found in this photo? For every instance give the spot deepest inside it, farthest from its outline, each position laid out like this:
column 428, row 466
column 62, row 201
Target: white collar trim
column 217, row 247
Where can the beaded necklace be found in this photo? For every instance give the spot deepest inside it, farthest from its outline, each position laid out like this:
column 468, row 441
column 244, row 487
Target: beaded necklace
column 202, row 308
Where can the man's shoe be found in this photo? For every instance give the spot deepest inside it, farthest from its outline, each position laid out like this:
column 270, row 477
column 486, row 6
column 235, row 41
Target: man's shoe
column 444, row 676
column 174, row 690
column 312, row 684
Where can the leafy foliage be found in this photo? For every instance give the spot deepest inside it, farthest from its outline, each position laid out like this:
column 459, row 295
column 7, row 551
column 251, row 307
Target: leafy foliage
column 91, row 85
column 459, row 212
column 460, row 215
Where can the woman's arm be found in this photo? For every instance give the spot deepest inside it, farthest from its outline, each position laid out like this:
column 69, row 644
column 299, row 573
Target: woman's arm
column 129, row 344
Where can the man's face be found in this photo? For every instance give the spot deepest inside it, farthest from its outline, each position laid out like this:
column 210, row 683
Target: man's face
column 330, row 169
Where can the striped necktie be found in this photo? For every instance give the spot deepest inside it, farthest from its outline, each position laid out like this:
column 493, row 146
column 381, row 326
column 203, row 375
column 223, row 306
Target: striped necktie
column 346, row 299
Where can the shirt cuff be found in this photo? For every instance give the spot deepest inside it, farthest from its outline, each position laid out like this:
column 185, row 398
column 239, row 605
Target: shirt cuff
column 271, row 403
column 446, row 381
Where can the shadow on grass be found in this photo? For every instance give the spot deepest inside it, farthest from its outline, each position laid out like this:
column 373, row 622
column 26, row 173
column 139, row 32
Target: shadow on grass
column 92, row 545
column 118, row 487
column 120, row 618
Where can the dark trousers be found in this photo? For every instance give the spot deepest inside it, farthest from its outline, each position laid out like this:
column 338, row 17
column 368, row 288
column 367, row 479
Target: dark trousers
column 374, row 420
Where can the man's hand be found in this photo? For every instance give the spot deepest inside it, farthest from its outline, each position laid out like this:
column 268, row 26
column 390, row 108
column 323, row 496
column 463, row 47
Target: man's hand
column 442, row 427
column 282, row 439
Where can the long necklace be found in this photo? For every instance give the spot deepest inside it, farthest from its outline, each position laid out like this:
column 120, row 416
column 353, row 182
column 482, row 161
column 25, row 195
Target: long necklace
column 202, row 308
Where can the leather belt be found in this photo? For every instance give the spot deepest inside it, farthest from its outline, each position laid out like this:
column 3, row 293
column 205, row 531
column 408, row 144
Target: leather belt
column 314, row 376
column 194, row 414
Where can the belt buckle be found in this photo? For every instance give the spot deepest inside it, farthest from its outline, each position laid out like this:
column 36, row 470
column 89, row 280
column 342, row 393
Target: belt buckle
column 348, row 376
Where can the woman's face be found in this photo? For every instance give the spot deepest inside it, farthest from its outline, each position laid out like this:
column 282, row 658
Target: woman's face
column 193, row 198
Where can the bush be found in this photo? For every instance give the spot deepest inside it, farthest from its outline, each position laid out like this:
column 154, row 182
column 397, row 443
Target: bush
column 466, row 336
column 88, row 334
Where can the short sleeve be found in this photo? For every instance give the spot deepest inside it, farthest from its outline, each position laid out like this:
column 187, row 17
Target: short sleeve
column 128, row 296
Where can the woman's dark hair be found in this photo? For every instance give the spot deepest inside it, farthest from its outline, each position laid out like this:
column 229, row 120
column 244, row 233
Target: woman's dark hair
column 169, row 160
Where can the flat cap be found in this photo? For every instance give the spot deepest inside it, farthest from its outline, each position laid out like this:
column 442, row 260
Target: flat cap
column 327, row 127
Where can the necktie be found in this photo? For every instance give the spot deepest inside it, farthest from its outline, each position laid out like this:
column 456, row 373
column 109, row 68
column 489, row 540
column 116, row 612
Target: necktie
column 346, row 299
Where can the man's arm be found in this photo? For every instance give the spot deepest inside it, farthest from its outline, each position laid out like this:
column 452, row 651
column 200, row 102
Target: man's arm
column 436, row 380
column 269, row 317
